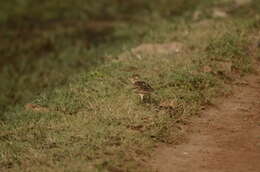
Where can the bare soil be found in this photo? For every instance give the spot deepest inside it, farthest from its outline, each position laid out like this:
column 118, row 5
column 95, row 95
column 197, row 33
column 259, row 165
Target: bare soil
column 223, row 138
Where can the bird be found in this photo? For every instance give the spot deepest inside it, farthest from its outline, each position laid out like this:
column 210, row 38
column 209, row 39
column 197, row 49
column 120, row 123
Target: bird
column 142, row 88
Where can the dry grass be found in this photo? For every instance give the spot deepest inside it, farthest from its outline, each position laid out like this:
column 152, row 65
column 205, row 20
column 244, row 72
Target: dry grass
column 96, row 123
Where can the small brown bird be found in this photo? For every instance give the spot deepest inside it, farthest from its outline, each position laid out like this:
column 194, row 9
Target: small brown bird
column 142, row 88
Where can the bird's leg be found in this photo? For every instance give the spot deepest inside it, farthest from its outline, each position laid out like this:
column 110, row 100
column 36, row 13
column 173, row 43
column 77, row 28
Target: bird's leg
column 149, row 98
column 142, row 97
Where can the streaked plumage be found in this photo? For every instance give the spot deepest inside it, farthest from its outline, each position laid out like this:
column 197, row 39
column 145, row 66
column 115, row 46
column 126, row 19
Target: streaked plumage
column 141, row 88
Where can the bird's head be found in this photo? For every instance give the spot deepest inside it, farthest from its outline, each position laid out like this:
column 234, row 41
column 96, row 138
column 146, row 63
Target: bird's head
column 134, row 78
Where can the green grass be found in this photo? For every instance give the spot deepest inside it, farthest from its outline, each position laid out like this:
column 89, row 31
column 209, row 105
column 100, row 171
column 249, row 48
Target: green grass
column 88, row 118
column 41, row 46
column 95, row 121
column 30, row 10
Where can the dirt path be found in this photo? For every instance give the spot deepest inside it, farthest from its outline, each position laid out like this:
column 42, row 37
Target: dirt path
column 225, row 138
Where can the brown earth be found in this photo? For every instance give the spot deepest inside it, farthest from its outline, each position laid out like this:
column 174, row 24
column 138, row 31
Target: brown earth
column 223, row 138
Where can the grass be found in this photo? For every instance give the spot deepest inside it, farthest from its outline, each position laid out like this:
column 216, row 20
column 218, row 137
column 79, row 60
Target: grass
column 88, row 10
column 41, row 46
column 96, row 122
column 92, row 120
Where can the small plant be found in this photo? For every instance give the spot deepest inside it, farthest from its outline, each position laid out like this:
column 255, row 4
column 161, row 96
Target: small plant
column 231, row 47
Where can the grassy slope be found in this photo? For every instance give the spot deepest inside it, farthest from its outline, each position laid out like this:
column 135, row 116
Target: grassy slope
column 41, row 46
column 95, row 121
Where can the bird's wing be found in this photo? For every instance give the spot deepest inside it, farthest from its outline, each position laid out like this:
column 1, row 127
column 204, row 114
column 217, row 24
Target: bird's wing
column 143, row 86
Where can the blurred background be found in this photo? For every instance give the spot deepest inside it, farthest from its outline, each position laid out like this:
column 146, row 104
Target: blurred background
column 43, row 42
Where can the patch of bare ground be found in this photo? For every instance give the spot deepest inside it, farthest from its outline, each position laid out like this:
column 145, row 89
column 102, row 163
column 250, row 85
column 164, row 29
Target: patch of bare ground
column 223, row 138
